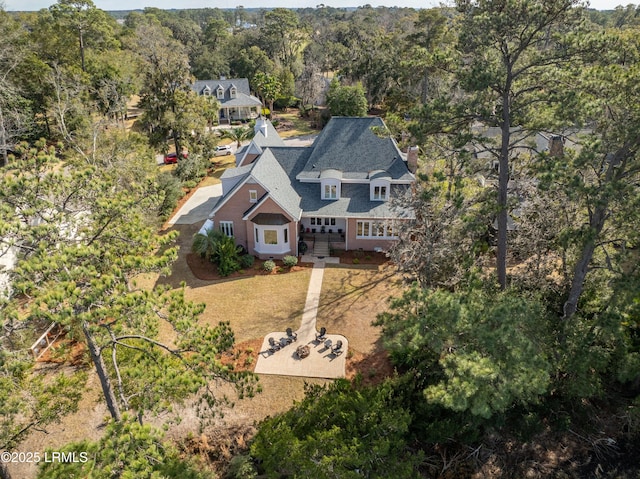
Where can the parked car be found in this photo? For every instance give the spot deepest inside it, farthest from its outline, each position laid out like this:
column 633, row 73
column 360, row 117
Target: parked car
column 222, row 150
column 173, row 158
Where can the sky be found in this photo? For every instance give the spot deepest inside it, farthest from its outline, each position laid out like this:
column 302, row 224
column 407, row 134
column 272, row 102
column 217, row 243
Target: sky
column 168, row 4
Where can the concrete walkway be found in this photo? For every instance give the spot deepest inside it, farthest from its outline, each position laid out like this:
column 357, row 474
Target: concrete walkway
column 321, row 363
column 198, row 207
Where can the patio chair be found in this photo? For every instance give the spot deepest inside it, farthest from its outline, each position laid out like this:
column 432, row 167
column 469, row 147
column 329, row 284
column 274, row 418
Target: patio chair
column 322, row 334
column 291, row 336
column 273, row 345
column 337, row 349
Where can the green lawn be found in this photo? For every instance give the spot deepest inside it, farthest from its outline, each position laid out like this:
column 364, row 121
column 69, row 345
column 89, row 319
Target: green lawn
column 255, row 306
column 300, row 125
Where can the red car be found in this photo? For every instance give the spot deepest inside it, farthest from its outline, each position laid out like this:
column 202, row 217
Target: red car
column 172, row 158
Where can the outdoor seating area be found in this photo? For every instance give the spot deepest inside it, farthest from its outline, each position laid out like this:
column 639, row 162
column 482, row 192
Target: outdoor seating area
column 276, row 345
column 317, row 355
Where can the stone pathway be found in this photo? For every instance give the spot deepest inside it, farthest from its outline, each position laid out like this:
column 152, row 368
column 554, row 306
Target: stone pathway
column 321, row 362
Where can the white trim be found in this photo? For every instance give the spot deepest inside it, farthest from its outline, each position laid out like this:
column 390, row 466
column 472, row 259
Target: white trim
column 226, row 227
column 281, row 247
column 374, row 225
column 356, row 181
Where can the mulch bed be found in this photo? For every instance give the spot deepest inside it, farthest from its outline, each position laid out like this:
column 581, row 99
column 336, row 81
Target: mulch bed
column 244, row 355
column 361, row 257
column 372, row 368
column 207, row 271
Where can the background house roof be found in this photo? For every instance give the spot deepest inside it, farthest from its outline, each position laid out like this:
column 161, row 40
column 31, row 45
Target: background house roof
column 243, row 92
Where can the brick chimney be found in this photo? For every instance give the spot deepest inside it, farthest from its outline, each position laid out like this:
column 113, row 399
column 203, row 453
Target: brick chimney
column 556, row 146
column 412, row 159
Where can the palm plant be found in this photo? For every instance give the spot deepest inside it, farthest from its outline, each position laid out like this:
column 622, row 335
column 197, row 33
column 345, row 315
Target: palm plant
column 206, row 244
column 238, row 135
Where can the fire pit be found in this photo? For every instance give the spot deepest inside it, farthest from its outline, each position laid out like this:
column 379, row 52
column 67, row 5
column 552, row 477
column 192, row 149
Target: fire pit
column 303, row 351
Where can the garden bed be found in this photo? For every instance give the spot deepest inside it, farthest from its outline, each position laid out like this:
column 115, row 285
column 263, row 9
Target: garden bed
column 207, row 271
column 361, row 257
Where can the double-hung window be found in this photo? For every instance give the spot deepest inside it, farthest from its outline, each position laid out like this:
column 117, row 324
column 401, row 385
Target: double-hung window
column 330, row 192
column 375, row 229
column 380, row 193
column 227, row 227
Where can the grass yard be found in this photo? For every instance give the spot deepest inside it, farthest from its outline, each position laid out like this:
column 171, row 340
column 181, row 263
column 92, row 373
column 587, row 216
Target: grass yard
column 351, row 298
column 299, row 126
column 255, row 306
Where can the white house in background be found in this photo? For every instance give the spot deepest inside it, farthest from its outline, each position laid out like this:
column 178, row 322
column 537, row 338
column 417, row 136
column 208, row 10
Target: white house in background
column 8, row 260
column 234, row 95
column 338, row 190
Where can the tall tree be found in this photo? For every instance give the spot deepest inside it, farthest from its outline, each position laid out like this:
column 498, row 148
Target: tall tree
column 283, row 38
column 84, row 19
column 268, row 87
column 345, row 100
column 602, row 176
column 247, row 62
column 13, row 107
column 83, row 238
column 510, row 51
column 166, row 81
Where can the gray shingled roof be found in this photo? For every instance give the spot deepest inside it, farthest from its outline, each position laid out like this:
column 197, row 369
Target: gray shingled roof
column 269, row 173
column 354, row 202
column 272, row 138
column 349, row 145
column 278, row 167
column 243, row 93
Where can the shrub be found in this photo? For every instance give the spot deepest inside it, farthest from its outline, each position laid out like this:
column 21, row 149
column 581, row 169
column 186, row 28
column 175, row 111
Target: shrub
column 356, row 261
column 193, row 168
column 170, row 186
column 290, row 261
column 247, row 260
column 219, row 249
column 268, row 266
column 226, row 256
column 241, row 467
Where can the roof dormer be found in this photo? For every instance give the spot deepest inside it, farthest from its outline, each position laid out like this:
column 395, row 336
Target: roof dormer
column 379, row 185
column 220, row 92
column 206, row 90
column 330, row 184
column 233, row 91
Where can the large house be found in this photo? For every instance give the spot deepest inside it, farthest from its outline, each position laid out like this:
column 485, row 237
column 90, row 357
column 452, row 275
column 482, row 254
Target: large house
column 338, row 190
column 234, row 95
